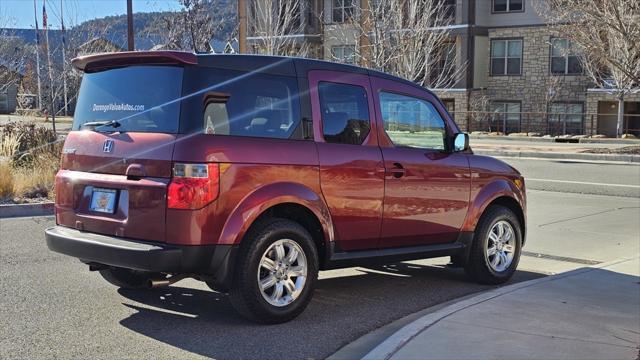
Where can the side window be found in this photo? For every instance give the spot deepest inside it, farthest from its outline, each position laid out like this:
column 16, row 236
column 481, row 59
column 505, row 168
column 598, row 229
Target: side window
column 268, row 108
column 345, row 113
column 412, row 122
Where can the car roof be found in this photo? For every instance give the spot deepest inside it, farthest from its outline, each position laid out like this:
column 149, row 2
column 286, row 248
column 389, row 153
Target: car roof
column 287, row 65
column 278, row 65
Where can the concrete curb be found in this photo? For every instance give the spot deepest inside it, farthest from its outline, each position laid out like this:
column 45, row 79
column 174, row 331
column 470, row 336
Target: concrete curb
column 628, row 158
column 395, row 342
column 17, row 210
column 559, row 141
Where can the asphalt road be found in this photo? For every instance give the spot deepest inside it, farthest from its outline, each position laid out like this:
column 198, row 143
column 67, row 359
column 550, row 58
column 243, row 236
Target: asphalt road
column 52, row 306
column 583, row 177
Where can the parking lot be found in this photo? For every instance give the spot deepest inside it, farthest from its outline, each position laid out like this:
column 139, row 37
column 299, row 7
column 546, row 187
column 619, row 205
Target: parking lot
column 52, row 306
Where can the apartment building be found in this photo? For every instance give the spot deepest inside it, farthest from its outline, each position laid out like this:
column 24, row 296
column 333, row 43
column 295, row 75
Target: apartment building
column 517, row 74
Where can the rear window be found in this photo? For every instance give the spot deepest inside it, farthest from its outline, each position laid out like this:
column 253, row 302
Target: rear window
column 243, row 104
column 140, row 98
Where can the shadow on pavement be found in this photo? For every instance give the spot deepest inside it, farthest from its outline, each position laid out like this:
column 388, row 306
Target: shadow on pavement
column 343, row 309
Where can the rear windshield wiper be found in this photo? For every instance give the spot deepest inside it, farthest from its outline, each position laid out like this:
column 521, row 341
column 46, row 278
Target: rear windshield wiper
column 94, row 124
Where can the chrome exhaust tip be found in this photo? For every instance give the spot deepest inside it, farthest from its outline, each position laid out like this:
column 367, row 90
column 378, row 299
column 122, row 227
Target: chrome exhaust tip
column 156, row 283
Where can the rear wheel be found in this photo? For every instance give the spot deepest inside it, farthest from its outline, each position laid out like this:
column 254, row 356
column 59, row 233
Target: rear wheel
column 276, row 273
column 496, row 247
column 127, row 278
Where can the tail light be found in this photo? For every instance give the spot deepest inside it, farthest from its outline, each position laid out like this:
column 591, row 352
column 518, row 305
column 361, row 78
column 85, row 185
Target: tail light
column 193, row 186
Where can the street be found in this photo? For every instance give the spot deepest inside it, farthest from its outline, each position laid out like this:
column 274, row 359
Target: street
column 52, row 306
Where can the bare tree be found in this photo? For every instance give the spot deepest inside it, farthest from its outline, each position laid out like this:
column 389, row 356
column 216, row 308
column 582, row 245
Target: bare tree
column 480, row 112
column 192, row 28
column 607, row 37
column 13, row 55
column 275, row 27
column 409, row 38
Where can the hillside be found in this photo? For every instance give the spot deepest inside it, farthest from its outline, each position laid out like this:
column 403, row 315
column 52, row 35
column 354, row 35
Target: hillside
column 149, row 27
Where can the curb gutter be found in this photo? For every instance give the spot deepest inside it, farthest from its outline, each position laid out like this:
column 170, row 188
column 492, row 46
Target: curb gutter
column 18, row 210
column 628, row 158
column 387, row 348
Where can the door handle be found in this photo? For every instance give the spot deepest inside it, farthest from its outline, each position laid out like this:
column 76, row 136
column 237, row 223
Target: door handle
column 397, row 170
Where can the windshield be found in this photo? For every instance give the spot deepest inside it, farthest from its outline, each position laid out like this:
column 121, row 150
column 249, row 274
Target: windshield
column 139, row 98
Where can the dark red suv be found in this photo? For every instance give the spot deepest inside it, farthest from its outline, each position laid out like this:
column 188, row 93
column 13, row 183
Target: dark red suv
column 252, row 173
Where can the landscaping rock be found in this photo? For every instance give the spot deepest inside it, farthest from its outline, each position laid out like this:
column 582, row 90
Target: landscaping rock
column 628, row 136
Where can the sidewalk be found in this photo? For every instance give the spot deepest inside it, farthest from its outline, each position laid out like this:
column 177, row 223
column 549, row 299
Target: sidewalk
column 589, row 313
column 543, row 148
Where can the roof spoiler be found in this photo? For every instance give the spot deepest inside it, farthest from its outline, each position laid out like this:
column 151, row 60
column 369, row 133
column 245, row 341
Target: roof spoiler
column 104, row 61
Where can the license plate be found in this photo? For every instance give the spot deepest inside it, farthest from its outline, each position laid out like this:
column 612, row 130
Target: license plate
column 103, row 200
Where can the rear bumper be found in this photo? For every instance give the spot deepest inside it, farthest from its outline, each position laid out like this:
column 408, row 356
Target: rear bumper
column 216, row 261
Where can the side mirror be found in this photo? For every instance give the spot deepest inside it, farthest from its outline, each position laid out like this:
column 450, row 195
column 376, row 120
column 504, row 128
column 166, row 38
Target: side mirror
column 460, row 142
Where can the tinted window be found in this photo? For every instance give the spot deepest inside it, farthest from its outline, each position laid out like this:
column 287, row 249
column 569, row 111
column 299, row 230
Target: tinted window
column 245, row 104
column 345, row 113
column 412, row 122
column 141, row 98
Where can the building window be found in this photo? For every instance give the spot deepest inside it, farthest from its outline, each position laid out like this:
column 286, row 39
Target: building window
column 344, row 53
column 566, row 118
column 504, row 6
column 412, row 122
column 345, row 113
column 341, row 10
column 563, row 58
column 505, row 116
column 450, row 105
column 506, row 57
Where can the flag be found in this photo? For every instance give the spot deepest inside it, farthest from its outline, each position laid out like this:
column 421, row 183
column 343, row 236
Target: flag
column 44, row 18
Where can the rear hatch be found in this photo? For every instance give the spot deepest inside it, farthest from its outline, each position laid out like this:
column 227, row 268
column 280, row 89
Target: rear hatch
column 116, row 161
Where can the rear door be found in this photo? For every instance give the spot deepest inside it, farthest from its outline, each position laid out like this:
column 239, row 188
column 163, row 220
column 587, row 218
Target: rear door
column 113, row 177
column 427, row 187
column 351, row 176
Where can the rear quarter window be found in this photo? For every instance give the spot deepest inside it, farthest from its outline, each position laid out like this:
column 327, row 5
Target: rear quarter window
column 245, row 104
column 140, row 98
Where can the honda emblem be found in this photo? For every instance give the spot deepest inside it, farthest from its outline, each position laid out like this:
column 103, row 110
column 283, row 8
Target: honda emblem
column 107, row 146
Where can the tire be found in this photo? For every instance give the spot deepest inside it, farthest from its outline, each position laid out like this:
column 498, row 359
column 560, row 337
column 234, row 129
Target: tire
column 127, row 278
column 484, row 267
column 274, row 239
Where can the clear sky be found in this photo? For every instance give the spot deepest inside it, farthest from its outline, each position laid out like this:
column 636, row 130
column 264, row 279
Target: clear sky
column 19, row 13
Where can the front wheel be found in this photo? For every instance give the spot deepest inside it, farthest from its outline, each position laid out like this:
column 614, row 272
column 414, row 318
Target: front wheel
column 276, row 273
column 496, row 247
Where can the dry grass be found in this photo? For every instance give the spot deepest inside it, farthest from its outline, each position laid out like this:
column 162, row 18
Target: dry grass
column 6, row 180
column 9, row 144
column 37, row 180
column 29, row 159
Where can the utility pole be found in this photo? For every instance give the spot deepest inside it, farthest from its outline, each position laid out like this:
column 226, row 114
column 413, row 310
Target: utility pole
column 51, row 85
column 64, row 62
column 35, row 14
column 130, row 25
column 242, row 28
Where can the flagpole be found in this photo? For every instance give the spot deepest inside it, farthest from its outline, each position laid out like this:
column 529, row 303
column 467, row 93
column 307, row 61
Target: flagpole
column 64, row 62
column 35, row 15
column 46, row 39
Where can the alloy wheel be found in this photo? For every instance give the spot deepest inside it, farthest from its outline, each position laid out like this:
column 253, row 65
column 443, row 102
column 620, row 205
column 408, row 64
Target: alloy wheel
column 282, row 272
